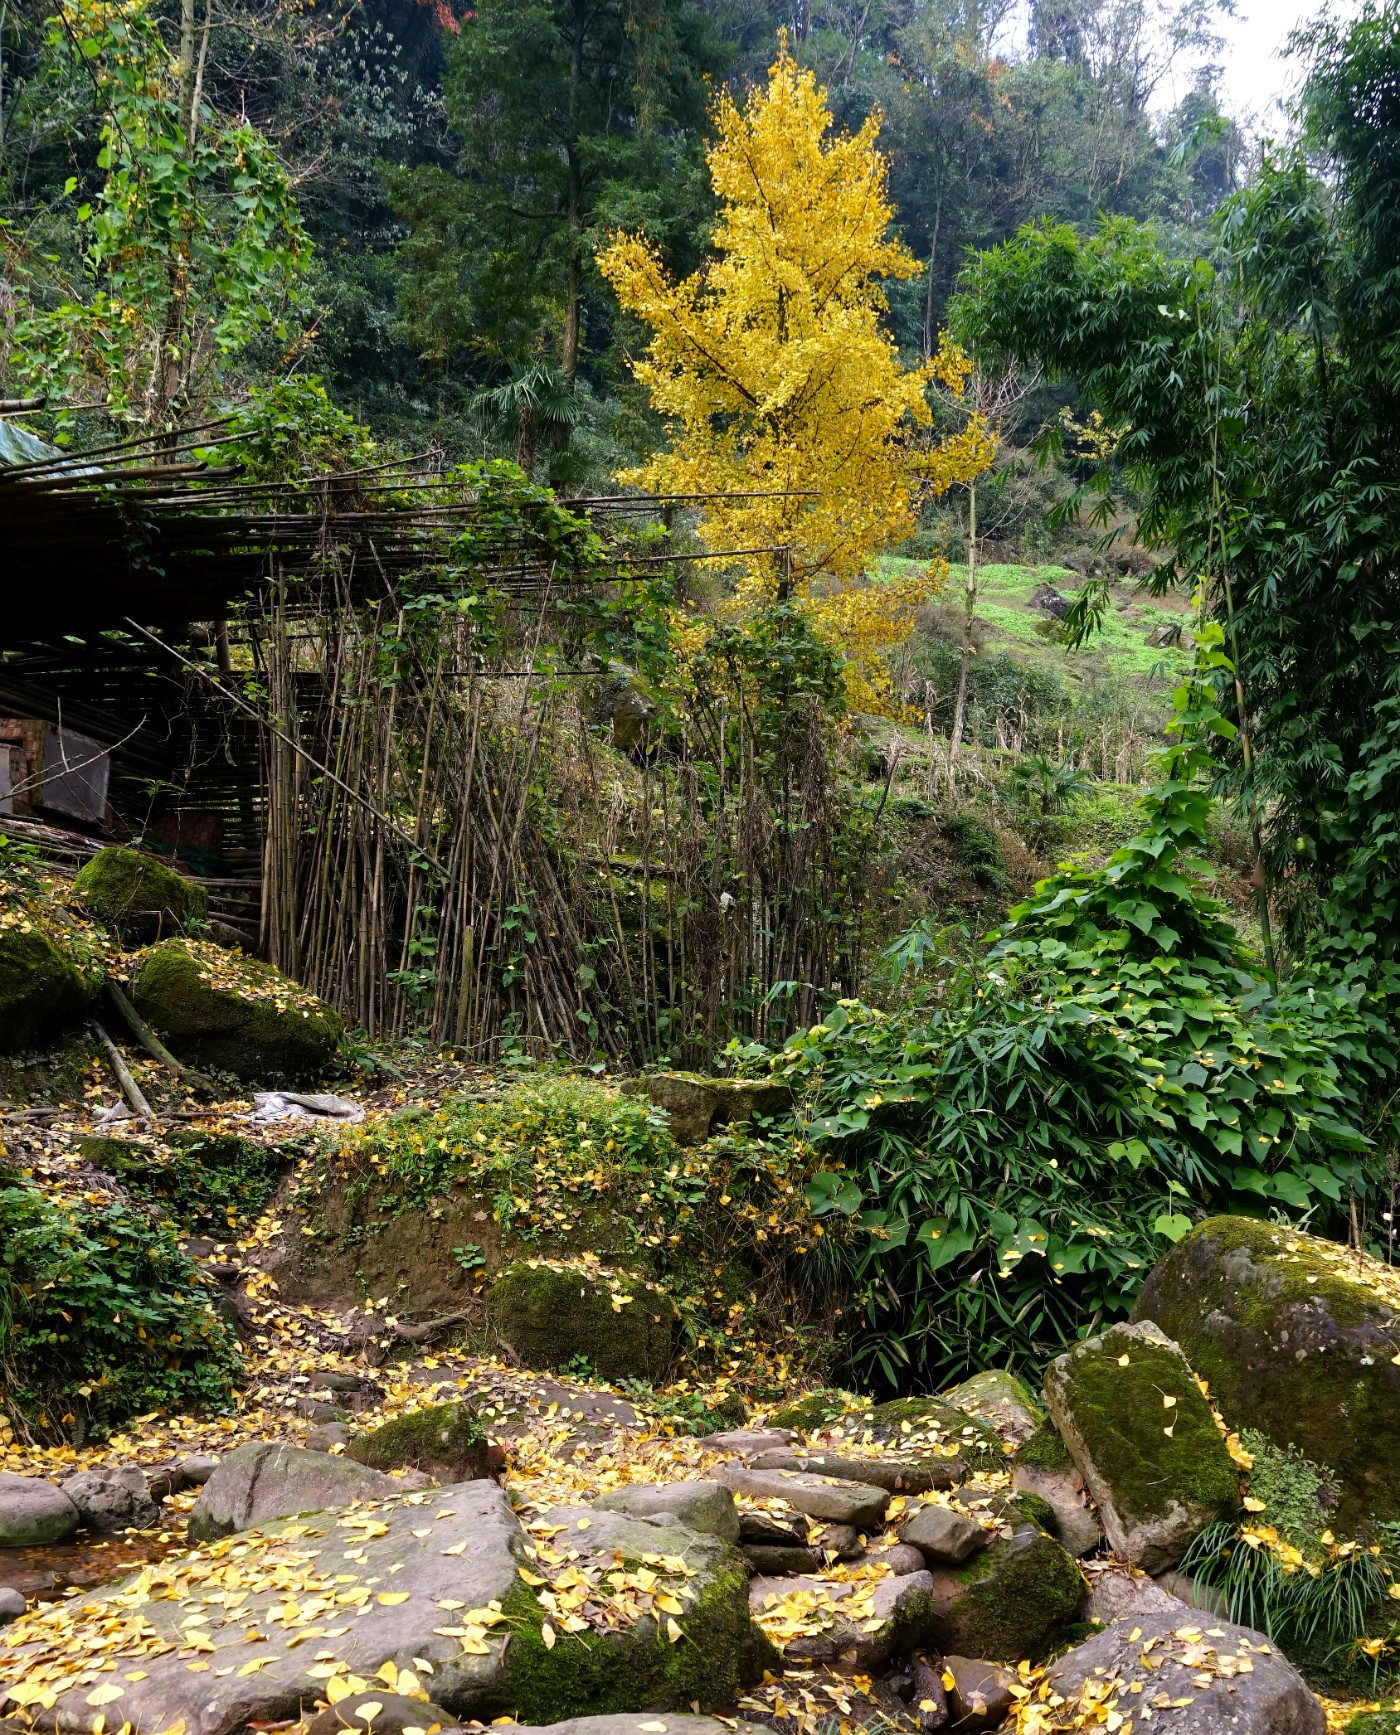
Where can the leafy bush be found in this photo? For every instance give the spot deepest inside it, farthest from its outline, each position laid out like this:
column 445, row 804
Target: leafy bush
column 212, row 1183
column 1021, row 1138
column 571, row 1167
column 101, row 1317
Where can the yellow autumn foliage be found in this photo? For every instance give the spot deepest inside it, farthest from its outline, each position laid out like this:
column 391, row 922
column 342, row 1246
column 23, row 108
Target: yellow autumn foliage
column 777, row 378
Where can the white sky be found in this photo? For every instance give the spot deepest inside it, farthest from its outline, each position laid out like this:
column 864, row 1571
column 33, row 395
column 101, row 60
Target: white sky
column 1255, row 73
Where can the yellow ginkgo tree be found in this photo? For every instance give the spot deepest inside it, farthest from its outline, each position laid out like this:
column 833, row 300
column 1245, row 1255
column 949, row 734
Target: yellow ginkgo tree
column 780, row 386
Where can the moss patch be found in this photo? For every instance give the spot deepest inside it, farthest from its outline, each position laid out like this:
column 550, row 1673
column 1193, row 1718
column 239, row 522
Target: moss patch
column 138, row 898
column 217, row 1008
column 818, row 1410
column 552, row 1314
column 720, row 1651
column 1296, row 1336
column 40, row 991
column 1045, row 1450
column 1013, row 1600
column 446, row 1441
column 1148, row 1432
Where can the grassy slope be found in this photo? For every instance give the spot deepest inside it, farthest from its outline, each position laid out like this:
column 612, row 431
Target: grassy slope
column 1011, row 623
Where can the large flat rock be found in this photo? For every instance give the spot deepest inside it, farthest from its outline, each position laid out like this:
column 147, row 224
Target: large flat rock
column 1217, row 1678
column 253, row 1627
column 259, row 1482
column 834, row 1499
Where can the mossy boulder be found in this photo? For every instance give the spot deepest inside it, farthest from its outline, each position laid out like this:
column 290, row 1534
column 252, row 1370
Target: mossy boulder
column 1298, row 1338
column 698, row 1106
column 819, row 1410
column 1017, row 1599
column 41, row 991
column 1043, row 1470
column 719, row 1652
column 609, row 1323
column 1001, row 1400
column 210, row 1183
column 933, row 1422
column 216, row 1008
column 1144, row 1440
column 138, row 898
column 446, row 1442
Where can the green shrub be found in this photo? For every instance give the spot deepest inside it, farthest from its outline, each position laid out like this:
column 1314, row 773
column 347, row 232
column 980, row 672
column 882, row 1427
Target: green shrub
column 101, row 1317
column 1020, row 1139
column 212, row 1183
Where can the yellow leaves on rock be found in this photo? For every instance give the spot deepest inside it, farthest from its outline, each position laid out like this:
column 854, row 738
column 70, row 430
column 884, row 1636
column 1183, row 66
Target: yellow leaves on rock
column 775, row 373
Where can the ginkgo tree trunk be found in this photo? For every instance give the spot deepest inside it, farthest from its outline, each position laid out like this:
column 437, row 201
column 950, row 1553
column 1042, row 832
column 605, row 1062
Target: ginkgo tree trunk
column 787, row 404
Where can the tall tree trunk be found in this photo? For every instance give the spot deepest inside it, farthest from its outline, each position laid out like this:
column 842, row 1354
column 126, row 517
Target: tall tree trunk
column 928, row 291
column 969, row 613
column 568, row 364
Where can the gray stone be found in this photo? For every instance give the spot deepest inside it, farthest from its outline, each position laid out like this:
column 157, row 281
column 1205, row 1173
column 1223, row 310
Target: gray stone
column 896, row 1612
column 328, row 1434
column 259, row 1482
column 761, row 1527
column 705, row 1506
column 944, row 1537
column 1063, row 1490
column 1129, row 1596
column 113, row 1499
column 745, row 1442
column 1012, row 1600
column 1270, row 1698
column 928, row 1699
column 12, row 1605
column 1144, row 1440
column 33, row 1512
column 837, row 1541
column 982, row 1693
column 385, row 1713
column 1001, row 1401
column 911, row 1475
column 842, row 1502
column 771, row 1560
column 460, row 1544
column 900, row 1557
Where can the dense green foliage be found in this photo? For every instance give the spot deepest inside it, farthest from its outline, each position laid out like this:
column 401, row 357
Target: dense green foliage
column 1258, row 382
column 1023, row 1132
column 102, row 1317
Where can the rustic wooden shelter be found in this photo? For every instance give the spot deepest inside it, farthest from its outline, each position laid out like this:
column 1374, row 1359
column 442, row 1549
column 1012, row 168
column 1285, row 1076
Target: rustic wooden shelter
column 171, row 660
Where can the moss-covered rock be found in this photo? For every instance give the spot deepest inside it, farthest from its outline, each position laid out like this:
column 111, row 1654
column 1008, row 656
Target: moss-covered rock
column 138, row 898
column 1042, row 1469
column 1144, row 1441
column 719, row 1652
column 40, row 990
column 698, row 1106
column 447, row 1442
column 1016, row 1599
column 1298, row 1338
column 552, row 1314
column 819, row 1410
column 217, row 1008
column 1001, row 1400
column 921, row 1423
column 1045, row 1450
